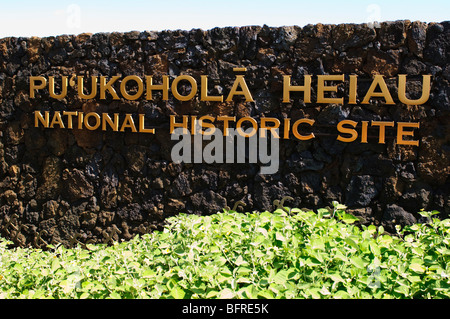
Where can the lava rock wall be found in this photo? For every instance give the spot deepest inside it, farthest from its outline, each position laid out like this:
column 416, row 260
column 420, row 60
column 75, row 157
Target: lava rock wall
column 69, row 186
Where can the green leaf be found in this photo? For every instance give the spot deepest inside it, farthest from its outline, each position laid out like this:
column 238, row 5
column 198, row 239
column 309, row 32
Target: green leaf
column 341, row 294
column 115, row 295
column 237, row 256
column 374, row 248
column 324, row 212
column 240, row 261
column 349, row 219
column 351, row 242
column 336, row 277
column 121, row 271
column 372, row 229
column 418, row 268
column 179, row 251
column 340, row 256
column 177, row 292
column 211, row 294
column 262, row 230
column 244, row 271
column 414, row 279
column 250, row 292
column 385, row 239
column 315, row 293
column 340, row 207
column 358, row 262
column 226, row 293
column 317, row 243
column 149, row 273
column 55, row 265
column 85, row 295
column 403, row 290
column 281, row 277
column 279, row 236
column 266, row 294
column 84, row 255
column 311, row 261
column 171, row 284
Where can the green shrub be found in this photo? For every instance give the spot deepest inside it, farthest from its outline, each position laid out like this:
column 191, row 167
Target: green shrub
column 234, row 255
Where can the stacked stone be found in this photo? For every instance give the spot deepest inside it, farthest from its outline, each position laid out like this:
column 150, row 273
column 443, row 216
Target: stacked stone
column 59, row 185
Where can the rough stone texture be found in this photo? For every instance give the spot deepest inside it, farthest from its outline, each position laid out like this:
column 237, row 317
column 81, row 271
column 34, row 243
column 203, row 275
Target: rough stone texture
column 62, row 185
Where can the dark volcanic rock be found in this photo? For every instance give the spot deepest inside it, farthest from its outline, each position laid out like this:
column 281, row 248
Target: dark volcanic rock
column 396, row 215
column 361, row 191
column 76, row 185
column 208, row 201
column 66, row 182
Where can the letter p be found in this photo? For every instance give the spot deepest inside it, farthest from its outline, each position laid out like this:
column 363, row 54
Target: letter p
column 34, row 86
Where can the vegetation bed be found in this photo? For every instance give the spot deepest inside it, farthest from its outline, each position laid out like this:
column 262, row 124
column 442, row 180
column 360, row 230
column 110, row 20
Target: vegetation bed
column 287, row 253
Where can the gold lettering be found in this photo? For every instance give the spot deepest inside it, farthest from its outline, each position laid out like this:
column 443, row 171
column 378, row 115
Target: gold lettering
column 342, row 129
column 272, row 129
column 97, row 121
column 123, row 87
column 382, row 125
column 39, row 118
column 80, row 120
column 364, row 127
column 352, row 89
column 210, row 128
column 69, row 118
column 401, row 133
column 174, row 124
column 194, row 124
column 204, row 91
column 240, row 82
column 193, row 83
column 151, row 87
column 57, row 120
column 287, row 127
column 241, row 131
column 305, row 88
column 426, row 87
column 297, row 134
column 80, row 81
column 112, row 124
column 225, row 120
column 128, row 122
column 321, row 88
column 107, row 86
column 378, row 81
column 34, row 86
column 51, row 87
column 142, row 128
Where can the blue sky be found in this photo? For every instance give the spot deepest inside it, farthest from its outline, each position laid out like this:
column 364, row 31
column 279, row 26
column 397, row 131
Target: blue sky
column 46, row 18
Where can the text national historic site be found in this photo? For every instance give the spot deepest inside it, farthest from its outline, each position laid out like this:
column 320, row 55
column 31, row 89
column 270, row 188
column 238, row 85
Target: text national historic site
column 133, row 87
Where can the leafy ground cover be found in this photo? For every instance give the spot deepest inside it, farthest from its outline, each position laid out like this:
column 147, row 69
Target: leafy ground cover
column 296, row 254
